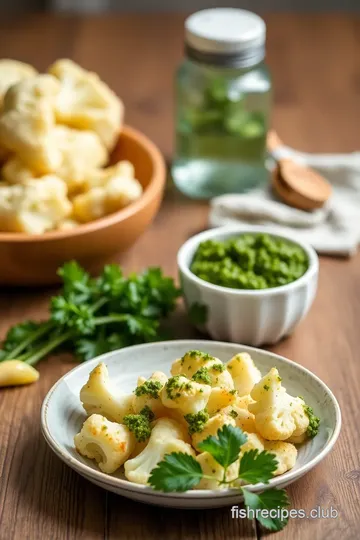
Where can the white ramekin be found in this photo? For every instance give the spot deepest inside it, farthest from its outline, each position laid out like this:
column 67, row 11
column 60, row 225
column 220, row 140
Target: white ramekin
column 252, row 317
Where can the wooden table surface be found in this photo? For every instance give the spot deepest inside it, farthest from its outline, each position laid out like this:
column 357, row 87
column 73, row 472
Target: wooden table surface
column 315, row 62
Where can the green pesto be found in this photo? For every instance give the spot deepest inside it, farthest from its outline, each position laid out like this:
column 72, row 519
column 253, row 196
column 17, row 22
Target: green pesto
column 174, row 387
column 197, row 421
column 196, row 354
column 233, row 413
column 266, row 387
column 249, row 261
column 314, row 422
column 140, row 424
column 202, row 376
column 149, row 388
column 218, row 367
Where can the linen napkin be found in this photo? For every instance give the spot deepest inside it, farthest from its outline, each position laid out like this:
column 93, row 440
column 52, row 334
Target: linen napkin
column 333, row 229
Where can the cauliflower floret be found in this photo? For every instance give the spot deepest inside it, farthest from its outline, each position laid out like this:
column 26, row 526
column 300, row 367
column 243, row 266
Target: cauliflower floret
column 191, row 362
column 27, row 122
column 210, row 467
column 188, row 396
column 100, row 177
column 219, row 399
column 243, row 418
column 203, row 368
column 147, row 394
column 34, row 207
column 12, row 72
column 278, row 415
column 244, row 373
column 81, row 152
column 98, row 396
column 166, row 437
column 285, row 453
column 85, row 102
column 117, row 192
column 254, row 442
column 109, row 443
column 211, row 428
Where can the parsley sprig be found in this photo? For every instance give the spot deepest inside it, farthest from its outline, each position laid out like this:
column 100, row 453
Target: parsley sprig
column 181, row 472
column 92, row 316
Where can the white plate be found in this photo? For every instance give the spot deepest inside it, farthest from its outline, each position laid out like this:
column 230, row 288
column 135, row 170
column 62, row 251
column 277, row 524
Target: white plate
column 62, row 416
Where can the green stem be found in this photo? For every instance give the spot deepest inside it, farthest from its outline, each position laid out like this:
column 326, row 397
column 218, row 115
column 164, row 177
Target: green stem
column 99, row 304
column 33, row 337
column 45, row 349
column 110, row 318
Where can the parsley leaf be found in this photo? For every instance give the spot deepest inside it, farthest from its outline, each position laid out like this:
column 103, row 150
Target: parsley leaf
column 177, row 472
column 225, row 447
column 268, row 500
column 257, row 466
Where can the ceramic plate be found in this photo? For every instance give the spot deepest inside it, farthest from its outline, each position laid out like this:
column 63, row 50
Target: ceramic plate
column 62, row 416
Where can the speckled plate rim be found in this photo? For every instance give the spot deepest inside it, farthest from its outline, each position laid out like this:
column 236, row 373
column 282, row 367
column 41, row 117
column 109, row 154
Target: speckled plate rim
column 130, row 487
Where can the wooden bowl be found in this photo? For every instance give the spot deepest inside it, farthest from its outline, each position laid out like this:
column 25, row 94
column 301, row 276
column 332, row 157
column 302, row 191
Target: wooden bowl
column 33, row 259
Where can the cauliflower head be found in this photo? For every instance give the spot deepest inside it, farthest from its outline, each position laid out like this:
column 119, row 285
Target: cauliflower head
column 100, row 177
column 203, row 368
column 166, row 437
column 98, row 396
column 278, row 415
column 27, row 123
column 219, row 399
column 86, row 102
column 147, row 394
column 285, row 453
column 211, row 428
column 34, row 207
column 12, row 72
column 115, row 193
column 188, row 396
column 210, row 467
column 244, row 373
column 108, row 443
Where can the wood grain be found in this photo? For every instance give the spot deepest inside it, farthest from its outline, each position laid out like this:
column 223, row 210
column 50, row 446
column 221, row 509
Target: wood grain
column 316, row 70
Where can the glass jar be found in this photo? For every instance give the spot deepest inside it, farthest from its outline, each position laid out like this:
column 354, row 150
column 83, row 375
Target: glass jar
column 223, row 101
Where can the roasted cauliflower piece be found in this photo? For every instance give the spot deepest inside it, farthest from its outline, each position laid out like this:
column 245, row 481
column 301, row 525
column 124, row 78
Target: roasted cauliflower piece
column 244, row 419
column 81, row 152
column 211, row 428
column 114, row 192
column 12, row 72
column 278, row 415
column 219, row 399
column 285, row 453
column 100, row 177
column 108, row 443
column 34, row 207
column 27, row 122
column 166, row 437
column 188, row 396
column 210, row 467
column 244, row 373
column 86, row 102
column 147, row 394
column 203, row 368
column 98, row 396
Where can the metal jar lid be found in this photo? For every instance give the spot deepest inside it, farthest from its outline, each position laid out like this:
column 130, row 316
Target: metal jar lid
column 225, row 37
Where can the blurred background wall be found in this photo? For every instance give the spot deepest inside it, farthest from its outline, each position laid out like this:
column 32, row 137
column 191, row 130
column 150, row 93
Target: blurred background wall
column 178, row 5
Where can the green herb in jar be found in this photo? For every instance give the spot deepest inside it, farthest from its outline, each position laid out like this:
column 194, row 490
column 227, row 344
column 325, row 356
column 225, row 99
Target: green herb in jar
column 250, row 261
